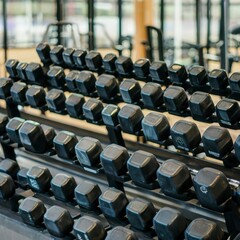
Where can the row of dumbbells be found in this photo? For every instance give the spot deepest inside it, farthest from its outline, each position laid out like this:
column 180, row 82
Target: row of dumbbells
column 141, row 214
column 173, row 177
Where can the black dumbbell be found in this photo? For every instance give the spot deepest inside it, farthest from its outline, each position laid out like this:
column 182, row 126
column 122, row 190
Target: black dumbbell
column 18, row 92
column 107, row 87
column 70, row 80
column 141, row 68
column 203, row 229
column 124, row 66
column 142, row 167
column 74, row 105
column 130, row 117
column 198, row 76
column 3, row 124
column 176, row 100
column 79, row 58
column 68, row 57
column 113, row 203
column 22, row 178
column 169, row 224
column 130, row 91
column 63, row 187
column 35, row 74
column 58, row 221
column 32, row 211
column 11, row 67
column 218, row 80
column 9, row 167
column 121, row 233
column 55, row 99
column 237, row 147
column 212, row 189
column 217, row 142
column 174, row 178
column 178, row 74
column 110, row 115
column 159, row 72
column 43, row 51
column 35, row 96
column 92, row 110
column 109, row 63
column 88, row 151
column 39, row 179
column 228, row 112
column 87, row 194
column 140, row 213
column 64, row 144
column 5, row 87
column 13, row 127
column 56, row 77
column 152, row 95
column 234, row 82
column 185, row 135
column 86, row 82
column 56, row 55
column 94, row 61
column 49, row 133
column 201, row 106
column 89, row 228
column 7, row 186
column 21, row 71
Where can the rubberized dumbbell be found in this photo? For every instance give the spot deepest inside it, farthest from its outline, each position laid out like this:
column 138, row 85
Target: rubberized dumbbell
column 109, row 63
column 21, row 70
column 70, row 80
column 43, row 51
column 94, row 61
column 86, row 83
column 234, row 83
column 198, row 76
column 35, row 74
column 56, row 77
column 74, row 105
column 159, row 72
column 9, row 167
column 5, row 87
column 11, row 67
column 56, row 55
column 68, row 57
column 35, row 96
column 79, row 58
column 121, row 233
column 218, row 80
column 55, row 99
column 178, row 74
column 124, row 66
column 18, row 92
column 130, row 91
column 3, row 124
column 7, row 186
column 13, row 127
column 141, row 68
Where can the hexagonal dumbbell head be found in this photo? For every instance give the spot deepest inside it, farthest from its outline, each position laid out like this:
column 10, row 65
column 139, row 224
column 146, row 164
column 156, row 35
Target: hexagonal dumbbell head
column 43, row 51
column 32, row 211
column 234, row 82
column 63, row 187
column 21, row 70
column 58, row 221
column 228, row 112
column 39, row 179
column 140, row 213
column 185, row 135
column 142, row 167
column 217, row 142
column 159, row 71
column 110, row 115
column 68, row 57
column 56, row 55
column 74, row 105
column 79, row 58
column 201, row 105
column 7, row 187
column 178, row 74
column 169, row 224
column 124, row 65
column 56, row 100
column 107, row 87
column 113, row 203
column 212, row 189
column 218, row 79
column 121, row 233
column 49, row 133
column 93, row 61
column 9, row 167
column 18, row 92
column 130, row 90
column 174, row 178
column 198, row 76
column 3, row 124
column 203, row 229
column 70, row 80
column 56, row 77
column 11, row 67
column 87, row 194
column 89, row 228
column 109, row 63
column 237, row 148
column 152, row 95
column 92, row 110
column 35, row 96
column 114, row 160
column 64, row 144
column 88, row 151
column 141, row 68
column 13, row 127
column 86, row 82
column 5, row 86
column 35, row 74
column 176, row 100
column 156, row 127
column 130, row 117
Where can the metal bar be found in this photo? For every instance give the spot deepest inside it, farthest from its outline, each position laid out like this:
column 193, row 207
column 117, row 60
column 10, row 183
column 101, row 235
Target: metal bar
column 5, row 32
column 59, row 16
column 91, row 40
column 209, row 6
column 120, row 16
column 162, row 16
column 198, row 21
